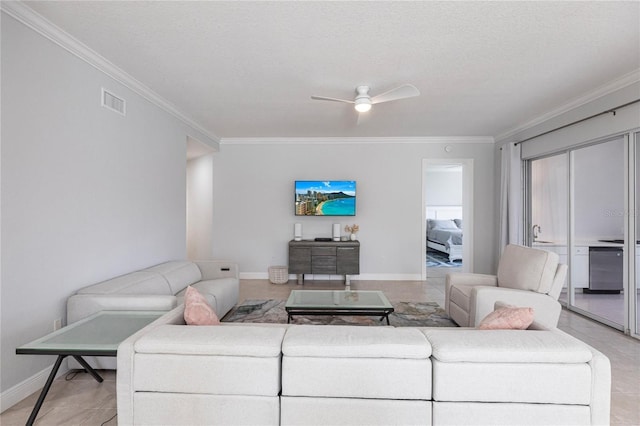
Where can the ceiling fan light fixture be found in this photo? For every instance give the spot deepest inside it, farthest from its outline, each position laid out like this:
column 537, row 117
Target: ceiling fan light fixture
column 363, row 104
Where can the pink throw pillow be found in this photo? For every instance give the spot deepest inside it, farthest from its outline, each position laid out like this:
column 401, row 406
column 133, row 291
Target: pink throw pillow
column 508, row 318
column 196, row 309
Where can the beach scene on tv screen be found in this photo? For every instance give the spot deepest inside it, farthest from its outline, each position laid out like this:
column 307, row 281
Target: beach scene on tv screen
column 326, row 198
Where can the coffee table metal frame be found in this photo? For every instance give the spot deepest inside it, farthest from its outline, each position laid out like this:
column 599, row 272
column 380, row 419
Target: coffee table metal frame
column 55, row 344
column 339, row 304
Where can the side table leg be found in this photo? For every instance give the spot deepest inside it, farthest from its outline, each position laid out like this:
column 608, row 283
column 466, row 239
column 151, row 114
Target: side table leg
column 45, row 390
column 88, row 368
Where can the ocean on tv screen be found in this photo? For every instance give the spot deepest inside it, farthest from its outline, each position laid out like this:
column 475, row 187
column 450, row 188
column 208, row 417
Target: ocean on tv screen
column 339, row 207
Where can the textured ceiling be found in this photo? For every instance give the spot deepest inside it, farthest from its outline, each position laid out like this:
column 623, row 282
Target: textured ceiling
column 248, row 69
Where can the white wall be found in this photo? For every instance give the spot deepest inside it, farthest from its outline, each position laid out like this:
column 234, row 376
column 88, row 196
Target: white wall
column 444, row 187
column 200, row 207
column 254, row 201
column 87, row 194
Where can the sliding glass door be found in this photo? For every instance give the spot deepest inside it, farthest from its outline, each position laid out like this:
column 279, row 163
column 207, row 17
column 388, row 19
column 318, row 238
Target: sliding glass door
column 577, row 208
column 598, row 221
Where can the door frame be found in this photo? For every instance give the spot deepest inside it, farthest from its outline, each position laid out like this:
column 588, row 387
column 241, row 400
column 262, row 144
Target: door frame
column 467, row 209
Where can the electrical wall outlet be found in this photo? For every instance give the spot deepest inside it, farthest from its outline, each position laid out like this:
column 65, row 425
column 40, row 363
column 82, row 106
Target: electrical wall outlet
column 57, row 324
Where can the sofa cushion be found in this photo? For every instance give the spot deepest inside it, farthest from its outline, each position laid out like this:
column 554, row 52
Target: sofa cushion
column 220, row 340
column 510, row 366
column 141, row 282
column 197, row 310
column 538, row 383
column 506, row 346
column 178, row 273
column 219, row 360
column 356, row 362
column 355, row 342
column 526, row 268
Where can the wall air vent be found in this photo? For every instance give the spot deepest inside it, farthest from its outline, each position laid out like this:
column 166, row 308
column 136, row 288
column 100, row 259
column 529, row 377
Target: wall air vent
column 113, row 102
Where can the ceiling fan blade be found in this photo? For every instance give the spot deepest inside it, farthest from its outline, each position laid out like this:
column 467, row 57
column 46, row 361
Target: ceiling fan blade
column 323, row 98
column 402, row 92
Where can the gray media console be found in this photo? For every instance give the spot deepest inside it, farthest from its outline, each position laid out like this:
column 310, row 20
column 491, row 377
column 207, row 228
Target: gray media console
column 324, row 258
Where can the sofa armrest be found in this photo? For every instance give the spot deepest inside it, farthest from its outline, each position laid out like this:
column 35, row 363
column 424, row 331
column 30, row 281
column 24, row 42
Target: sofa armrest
column 600, row 388
column 124, row 373
column 546, row 310
column 213, row 269
column 80, row 306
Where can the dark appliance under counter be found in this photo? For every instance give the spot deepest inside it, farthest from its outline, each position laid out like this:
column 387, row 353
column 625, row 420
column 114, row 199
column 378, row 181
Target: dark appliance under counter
column 605, row 270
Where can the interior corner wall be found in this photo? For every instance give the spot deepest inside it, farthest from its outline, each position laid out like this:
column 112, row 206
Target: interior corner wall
column 254, row 201
column 200, row 207
column 87, row 194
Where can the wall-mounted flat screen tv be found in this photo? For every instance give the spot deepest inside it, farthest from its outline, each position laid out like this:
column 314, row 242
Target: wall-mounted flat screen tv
column 325, row 197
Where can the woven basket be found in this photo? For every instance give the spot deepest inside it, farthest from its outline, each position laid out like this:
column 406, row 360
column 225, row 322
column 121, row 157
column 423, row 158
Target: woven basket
column 278, row 274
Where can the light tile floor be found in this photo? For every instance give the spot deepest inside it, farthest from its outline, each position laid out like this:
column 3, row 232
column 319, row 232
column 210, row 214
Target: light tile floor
column 83, row 401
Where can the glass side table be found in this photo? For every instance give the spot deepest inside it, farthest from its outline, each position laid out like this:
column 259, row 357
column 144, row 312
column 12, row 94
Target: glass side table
column 97, row 335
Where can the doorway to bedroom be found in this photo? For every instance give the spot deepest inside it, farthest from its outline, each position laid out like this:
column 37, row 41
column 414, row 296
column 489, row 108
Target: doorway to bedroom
column 445, row 214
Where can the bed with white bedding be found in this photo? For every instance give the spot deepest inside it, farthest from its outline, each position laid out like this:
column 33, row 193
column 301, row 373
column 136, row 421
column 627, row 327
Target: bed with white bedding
column 445, row 235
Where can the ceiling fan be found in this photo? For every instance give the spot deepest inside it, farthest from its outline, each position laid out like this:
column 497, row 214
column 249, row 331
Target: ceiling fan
column 363, row 100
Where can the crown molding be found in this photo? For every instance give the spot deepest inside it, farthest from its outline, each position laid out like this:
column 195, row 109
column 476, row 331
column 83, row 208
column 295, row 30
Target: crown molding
column 356, row 140
column 617, row 84
column 35, row 21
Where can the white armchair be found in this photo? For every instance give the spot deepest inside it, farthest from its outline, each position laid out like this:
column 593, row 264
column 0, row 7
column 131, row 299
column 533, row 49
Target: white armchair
column 526, row 277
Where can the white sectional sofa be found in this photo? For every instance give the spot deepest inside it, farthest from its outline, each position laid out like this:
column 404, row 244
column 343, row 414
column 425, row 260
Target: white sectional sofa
column 158, row 288
column 264, row 374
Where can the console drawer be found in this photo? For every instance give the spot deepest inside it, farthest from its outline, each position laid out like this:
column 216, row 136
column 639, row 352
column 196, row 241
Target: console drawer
column 323, row 265
column 323, row 251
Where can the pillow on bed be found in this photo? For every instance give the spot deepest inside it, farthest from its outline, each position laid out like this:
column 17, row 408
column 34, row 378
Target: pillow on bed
column 458, row 223
column 444, row 224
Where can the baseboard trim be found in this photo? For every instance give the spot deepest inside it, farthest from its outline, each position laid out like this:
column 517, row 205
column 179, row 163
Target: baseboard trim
column 17, row 393
column 369, row 277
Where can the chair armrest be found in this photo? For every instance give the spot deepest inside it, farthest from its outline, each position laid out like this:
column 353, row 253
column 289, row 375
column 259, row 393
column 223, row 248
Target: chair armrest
column 482, row 300
column 213, row 269
column 465, row 278
column 80, row 306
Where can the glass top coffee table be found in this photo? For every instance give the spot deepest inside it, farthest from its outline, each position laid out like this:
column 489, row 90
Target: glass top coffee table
column 97, row 335
column 338, row 302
